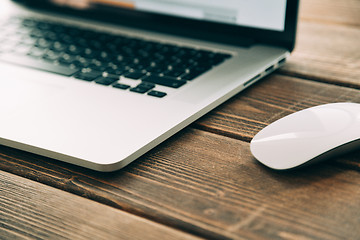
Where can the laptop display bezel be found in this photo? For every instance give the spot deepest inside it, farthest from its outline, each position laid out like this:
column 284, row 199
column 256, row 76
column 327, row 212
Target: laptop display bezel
column 203, row 30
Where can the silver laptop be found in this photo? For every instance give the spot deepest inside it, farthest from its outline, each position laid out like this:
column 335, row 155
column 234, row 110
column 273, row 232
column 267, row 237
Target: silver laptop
column 98, row 83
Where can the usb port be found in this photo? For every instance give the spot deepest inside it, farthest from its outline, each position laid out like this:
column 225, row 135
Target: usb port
column 269, row 68
column 282, row 61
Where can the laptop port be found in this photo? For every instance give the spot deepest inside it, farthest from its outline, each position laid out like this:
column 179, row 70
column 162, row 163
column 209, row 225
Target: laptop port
column 251, row 80
column 269, row 68
column 282, row 61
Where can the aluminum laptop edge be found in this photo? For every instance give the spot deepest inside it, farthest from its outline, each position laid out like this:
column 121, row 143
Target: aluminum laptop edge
column 104, row 128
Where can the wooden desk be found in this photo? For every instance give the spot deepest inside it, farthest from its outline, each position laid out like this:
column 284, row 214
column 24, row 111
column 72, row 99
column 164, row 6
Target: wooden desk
column 203, row 182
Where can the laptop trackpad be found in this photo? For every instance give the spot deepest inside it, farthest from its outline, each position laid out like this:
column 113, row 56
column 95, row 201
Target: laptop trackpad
column 21, row 88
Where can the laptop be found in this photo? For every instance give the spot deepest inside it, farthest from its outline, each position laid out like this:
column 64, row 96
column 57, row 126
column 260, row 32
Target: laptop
column 98, row 83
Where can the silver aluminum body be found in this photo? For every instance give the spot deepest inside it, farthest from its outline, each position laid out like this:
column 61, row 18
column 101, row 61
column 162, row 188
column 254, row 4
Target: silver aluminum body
column 104, row 128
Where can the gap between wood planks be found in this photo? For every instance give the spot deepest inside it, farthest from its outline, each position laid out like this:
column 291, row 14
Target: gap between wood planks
column 317, row 79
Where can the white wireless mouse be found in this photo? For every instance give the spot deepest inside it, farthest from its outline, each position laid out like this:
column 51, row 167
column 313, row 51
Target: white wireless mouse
column 308, row 136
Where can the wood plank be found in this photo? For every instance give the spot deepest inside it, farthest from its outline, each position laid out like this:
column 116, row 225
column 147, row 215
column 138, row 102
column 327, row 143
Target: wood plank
column 327, row 53
column 345, row 12
column 30, row 210
column 272, row 98
column 328, row 47
column 210, row 185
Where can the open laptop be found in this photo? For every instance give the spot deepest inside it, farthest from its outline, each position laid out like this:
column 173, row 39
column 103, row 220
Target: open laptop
column 98, row 83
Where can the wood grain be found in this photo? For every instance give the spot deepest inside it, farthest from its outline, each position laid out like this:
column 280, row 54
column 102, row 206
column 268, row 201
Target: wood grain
column 30, row 210
column 326, row 53
column 327, row 47
column 272, row 98
column 345, row 12
column 211, row 186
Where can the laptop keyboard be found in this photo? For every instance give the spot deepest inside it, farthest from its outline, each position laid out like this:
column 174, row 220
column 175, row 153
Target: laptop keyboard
column 103, row 58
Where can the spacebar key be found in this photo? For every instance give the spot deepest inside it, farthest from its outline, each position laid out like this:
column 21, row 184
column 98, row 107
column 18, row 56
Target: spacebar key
column 29, row 62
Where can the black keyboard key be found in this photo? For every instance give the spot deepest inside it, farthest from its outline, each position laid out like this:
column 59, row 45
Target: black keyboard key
column 67, row 59
column 105, row 56
column 146, row 85
column 114, row 71
column 88, row 76
column 134, row 75
column 43, row 25
column 174, row 73
column 121, row 86
column 74, row 50
column 51, row 36
column 192, row 75
column 157, row 69
column 139, row 90
column 97, row 67
column 165, row 81
column 106, row 80
column 157, row 94
column 90, row 53
column 224, row 55
column 52, row 56
column 43, row 43
column 36, row 34
column 29, row 62
column 196, row 72
column 29, row 23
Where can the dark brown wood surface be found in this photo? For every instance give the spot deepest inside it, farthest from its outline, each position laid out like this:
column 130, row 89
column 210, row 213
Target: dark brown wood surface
column 204, row 182
column 328, row 47
column 33, row 210
column 327, row 53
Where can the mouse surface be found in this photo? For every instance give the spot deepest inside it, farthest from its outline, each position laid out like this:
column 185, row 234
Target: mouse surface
column 308, row 136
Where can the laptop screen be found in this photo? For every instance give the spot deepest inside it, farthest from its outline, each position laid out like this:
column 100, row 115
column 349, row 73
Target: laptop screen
column 262, row 14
